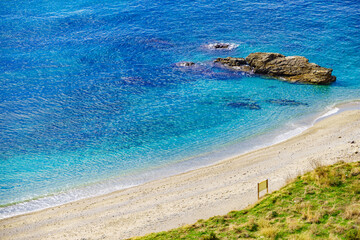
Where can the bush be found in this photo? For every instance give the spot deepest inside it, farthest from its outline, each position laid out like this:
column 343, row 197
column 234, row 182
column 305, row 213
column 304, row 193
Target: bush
column 352, row 234
column 251, row 225
column 269, row 232
column 212, row 236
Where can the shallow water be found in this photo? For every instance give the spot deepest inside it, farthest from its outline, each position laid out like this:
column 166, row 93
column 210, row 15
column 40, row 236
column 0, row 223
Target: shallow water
column 90, row 94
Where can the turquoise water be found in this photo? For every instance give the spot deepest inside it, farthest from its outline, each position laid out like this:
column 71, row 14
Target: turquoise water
column 91, row 99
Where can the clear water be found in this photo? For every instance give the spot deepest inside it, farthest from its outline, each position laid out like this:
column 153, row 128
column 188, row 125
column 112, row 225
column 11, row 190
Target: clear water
column 90, row 95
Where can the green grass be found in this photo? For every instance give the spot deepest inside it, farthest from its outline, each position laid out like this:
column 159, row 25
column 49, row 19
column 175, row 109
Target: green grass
column 322, row 204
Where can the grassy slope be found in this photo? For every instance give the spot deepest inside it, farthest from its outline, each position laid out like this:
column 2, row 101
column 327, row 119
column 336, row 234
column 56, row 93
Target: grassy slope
column 322, row 204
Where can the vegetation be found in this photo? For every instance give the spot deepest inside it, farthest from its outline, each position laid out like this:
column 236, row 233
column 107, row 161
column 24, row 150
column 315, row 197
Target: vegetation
column 322, row 204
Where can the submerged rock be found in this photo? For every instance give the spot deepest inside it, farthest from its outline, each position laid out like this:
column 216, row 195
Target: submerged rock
column 246, row 105
column 292, row 68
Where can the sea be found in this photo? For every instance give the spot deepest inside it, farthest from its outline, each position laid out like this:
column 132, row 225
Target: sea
column 93, row 98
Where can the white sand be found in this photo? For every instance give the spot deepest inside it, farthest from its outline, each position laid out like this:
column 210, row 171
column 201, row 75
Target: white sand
column 199, row 194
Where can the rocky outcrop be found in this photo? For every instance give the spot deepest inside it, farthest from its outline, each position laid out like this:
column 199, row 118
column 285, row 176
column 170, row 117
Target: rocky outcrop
column 185, row 64
column 292, row 68
column 221, row 45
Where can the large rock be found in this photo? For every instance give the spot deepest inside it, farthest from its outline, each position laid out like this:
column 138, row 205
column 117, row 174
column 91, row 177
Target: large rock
column 292, row 68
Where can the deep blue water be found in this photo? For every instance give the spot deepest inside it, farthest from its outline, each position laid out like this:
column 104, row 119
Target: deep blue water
column 90, row 90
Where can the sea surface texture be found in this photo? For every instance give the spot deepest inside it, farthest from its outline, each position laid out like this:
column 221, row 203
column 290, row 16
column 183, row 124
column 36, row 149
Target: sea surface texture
column 92, row 100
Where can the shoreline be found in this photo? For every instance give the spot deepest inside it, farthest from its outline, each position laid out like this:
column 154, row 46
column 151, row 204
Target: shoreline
column 184, row 198
column 252, row 143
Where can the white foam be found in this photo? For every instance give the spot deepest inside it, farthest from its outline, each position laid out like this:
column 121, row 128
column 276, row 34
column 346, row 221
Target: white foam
column 287, row 135
column 62, row 198
column 328, row 114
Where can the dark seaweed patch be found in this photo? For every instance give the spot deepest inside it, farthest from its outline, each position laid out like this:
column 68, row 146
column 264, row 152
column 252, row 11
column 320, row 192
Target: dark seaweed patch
column 286, row 102
column 244, row 105
column 232, row 99
column 207, row 102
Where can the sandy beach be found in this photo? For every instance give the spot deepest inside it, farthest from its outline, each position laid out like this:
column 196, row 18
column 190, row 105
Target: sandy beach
column 199, row 194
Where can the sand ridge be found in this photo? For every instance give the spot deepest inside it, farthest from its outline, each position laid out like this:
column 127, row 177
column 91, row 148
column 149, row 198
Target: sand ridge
column 199, row 194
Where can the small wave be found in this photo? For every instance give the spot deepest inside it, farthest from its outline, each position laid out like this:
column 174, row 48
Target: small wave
column 289, row 134
column 56, row 199
column 327, row 114
column 221, row 46
column 351, row 105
